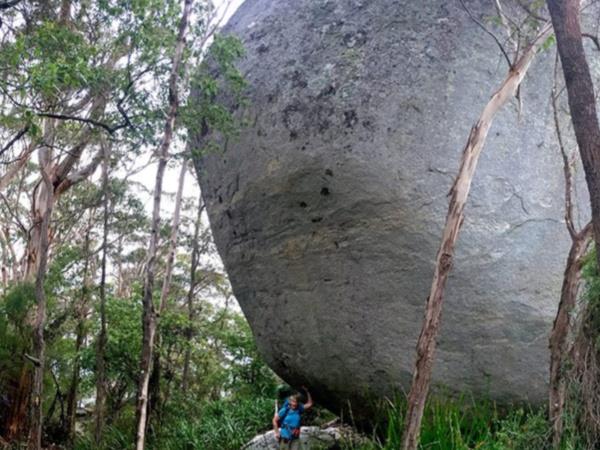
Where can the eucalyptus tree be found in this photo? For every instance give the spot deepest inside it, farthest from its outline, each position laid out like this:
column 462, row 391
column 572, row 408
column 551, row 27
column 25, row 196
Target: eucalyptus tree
column 149, row 313
column 565, row 15
column 74, row 75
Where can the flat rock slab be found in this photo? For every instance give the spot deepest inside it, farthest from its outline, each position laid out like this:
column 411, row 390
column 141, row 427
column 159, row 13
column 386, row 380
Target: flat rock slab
column 328, row 208
column 311, row 438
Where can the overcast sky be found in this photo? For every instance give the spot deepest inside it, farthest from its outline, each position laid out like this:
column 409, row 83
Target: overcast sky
column 233, row 5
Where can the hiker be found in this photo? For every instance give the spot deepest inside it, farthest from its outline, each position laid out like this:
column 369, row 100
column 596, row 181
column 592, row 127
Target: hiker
column 289, row 419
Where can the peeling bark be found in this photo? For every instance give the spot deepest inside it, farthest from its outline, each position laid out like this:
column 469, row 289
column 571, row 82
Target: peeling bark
column 560, row 331
column 17, row 416
column 458, row 196
column 562, row 323
column 36, row 420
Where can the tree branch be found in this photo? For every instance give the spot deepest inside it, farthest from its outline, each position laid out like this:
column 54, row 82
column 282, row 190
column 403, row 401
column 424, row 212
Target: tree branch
column 11, row 172
column 593, row 38
column 18, row 136
column 89, row 121
column 80, row 175
column 532, row 13
column 68, row 163
column 36, row 362
column 484, row 28
column 566, row 160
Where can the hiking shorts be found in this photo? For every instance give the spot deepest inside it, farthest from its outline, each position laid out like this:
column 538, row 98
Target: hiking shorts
column 289, row 445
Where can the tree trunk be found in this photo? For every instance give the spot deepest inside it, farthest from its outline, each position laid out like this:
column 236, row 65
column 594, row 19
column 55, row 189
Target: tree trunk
column 189, row 332
column 580, row 91
column 459, row 193
column 155, row 378
column 74, row 385
column 16, row 275
column 560, row 331
column 45, row 204
column 149, row 313
column 82, row 311
column 102, row 336
column 17, row 415
column 120, row 282
column 5, row 260
column 562, row 322
column 173, row 241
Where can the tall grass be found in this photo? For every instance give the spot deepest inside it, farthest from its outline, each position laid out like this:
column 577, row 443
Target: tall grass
column 460, row 424
column 222, row 424
column 463, row 424
column 215, row 425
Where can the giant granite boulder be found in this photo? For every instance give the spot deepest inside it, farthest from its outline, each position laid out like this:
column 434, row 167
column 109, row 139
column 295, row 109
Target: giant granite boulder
column 327, row 209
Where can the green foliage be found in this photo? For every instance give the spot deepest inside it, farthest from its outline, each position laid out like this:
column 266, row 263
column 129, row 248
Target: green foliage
column 229, row 423
column 447, row 424
column 15, row 332
column 246, row 372
column 548, row 43
column 592, row 297
column 59, row 60
column 521, row 430
column 115, row 437
column 217, row 78
column 124, row 342
column 469, row 425
column 117, row 51
column 232, row 393
column 16, row 304
column 583, row 378
column 82, row 77
column 223, row 424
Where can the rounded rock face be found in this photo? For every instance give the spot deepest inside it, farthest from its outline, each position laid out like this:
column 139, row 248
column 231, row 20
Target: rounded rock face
column 328, row 208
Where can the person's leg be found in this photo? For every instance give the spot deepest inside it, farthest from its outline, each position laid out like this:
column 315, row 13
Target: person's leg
column 295, row 444
column 284, row 445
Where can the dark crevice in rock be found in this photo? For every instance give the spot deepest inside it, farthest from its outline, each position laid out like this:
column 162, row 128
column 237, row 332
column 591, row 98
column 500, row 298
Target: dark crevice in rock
column 350, row 118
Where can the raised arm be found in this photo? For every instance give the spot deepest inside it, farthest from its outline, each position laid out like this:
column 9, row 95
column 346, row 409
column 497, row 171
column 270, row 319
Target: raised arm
column 309, row 402
column 276, row 425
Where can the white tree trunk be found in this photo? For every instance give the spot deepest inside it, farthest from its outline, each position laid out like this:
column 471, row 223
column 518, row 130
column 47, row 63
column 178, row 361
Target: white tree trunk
column 149, row 313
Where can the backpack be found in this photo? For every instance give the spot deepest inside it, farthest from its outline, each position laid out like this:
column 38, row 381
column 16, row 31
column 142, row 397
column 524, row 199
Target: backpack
column 286, row 406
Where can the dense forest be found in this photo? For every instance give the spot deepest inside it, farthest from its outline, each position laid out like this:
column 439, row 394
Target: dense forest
column 93, row 99
column 119, row 327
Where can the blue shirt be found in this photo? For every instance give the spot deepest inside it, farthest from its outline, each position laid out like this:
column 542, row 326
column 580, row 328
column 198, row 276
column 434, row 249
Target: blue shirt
column 291, row 420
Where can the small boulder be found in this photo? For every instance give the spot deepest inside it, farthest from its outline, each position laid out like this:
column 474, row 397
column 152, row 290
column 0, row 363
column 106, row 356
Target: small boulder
column 311, row 438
